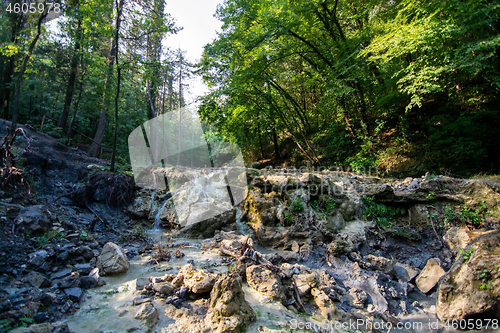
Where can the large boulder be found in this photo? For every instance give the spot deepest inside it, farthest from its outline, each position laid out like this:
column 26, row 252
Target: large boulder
column 112, row 260
column 228, row 309
column 265, row 281
column 178, row 281
column 457, row 239
column 207, row 227
column 349, row 238
column 324, row 304
column 142, row 204
column 261, row 212
column 200, row 282
column 34, row 219
column 148, row 314
column 472, row 285
column 430, row 275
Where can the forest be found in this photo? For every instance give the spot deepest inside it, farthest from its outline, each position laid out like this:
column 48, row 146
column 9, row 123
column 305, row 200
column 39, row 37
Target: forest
column 217, row 226
column 406, row 86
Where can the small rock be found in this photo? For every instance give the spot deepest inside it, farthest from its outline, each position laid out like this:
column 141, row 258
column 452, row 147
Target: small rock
column 140, row 300
column 86, row 252
column 38, row 258
column 83, row 267
column 60, row 274
column 179, row 279
column 75, row 294
column 141, row 282
column 163, row 287
column 58, row 327
column 87, row 282
column 70, row 281
column 38, row 280
column 66, row 306
column 286, row 269
column 305, row 282
column 34, row 219
column 48, row 299
column 289, row 256
column 63, row 256
column 457, row 239
column 175, row 300
column 305, row 251
column 182, row 292
column 379, row 263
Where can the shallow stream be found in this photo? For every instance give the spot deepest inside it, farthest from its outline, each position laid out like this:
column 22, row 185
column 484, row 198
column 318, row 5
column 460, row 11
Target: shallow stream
column 109, row 308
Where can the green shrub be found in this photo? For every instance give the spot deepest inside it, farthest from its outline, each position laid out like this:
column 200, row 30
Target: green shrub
column 384, row 215
column 329, row 205
column 289, row 219
column 297, row 205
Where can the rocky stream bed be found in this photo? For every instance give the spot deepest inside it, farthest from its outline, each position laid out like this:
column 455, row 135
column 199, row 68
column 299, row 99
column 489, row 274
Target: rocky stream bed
column 305, row 251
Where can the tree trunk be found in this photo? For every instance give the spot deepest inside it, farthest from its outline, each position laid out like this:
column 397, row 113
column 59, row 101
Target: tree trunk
column 16, row 26
column 71, row 123
column 277, row 154
column 118, row 80
column 179, row 103
column 117, row 97
column 72, row 79
column 95, row 148
column 260, row 137
column 7, row 87
column 151, row 103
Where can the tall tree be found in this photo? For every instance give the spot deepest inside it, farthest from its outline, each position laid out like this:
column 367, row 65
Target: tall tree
column 72, row 76
column 96, row 146
column 12, row 28
column 119, row 6
column 24, row 65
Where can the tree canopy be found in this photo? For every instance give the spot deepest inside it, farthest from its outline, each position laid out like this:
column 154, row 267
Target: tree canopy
column 407, row 86
column 359, row 83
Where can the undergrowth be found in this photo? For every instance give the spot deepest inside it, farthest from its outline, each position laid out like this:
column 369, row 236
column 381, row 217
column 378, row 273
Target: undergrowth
column 383, row 215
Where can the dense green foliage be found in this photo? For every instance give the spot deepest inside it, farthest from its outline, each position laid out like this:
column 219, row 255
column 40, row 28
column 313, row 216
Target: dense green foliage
column 407, row 86
column 79, row 48
column 404, row 85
